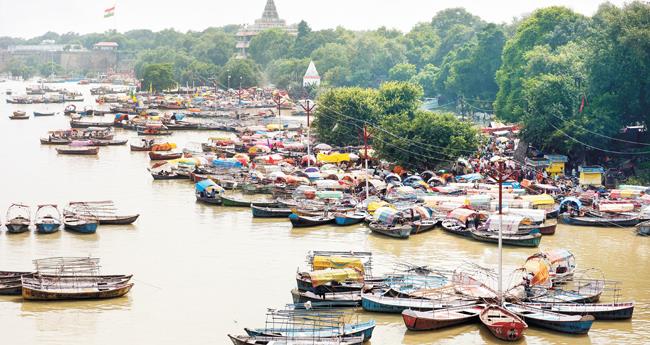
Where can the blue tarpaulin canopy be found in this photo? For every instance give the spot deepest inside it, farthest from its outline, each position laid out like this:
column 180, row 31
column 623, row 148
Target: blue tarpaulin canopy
column 204, row 184
column 469, row 177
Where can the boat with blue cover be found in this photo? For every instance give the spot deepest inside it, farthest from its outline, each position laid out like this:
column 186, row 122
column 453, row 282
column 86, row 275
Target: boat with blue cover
column 80, row 224
column 573, row 324
column 344, row 219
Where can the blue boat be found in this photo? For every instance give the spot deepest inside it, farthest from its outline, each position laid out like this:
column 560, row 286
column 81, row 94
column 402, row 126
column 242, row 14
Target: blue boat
column 84, row 225
column 48, row 219
column 382, row 303
column 601, row 311
column 573, row 324
column 364, row 329
column 270, row 212
column 344, row 219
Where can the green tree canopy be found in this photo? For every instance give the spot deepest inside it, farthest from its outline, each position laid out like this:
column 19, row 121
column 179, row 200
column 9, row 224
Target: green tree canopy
column 158, row 76
column 270, row 45
column 240, row 70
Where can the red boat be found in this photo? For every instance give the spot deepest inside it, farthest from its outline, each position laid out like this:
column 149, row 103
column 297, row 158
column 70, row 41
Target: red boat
column 440, row 318
column 502, row 323
column 163, row 156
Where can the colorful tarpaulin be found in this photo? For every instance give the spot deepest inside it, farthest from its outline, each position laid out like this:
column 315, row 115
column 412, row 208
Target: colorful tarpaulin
column 386, row 215
column 335, row 157
column 324, row 262
column 322, row 277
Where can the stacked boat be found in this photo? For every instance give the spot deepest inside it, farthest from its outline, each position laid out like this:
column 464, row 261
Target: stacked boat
column 65, row 278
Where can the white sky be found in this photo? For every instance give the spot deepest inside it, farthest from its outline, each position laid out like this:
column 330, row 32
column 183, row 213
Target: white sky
column 28, row 18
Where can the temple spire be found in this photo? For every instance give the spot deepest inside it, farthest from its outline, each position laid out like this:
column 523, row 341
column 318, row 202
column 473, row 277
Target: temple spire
column 270, row 12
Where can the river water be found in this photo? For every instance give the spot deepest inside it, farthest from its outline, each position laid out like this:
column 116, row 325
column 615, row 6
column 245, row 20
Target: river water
column 202, row 272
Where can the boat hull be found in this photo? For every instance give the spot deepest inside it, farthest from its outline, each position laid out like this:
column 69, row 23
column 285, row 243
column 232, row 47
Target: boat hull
column 89, row 228
column 30, row 293
column 47, row 228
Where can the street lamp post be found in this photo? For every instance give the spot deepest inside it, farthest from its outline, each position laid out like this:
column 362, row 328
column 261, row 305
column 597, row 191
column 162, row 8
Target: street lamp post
column 308, row 108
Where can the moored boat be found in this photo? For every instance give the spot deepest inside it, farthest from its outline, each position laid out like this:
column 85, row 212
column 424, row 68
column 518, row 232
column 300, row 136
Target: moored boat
column 299, row 221
column 528, row 240
column 81, row 224
column 601, row 311
column 502, row 323
column 265, row 340
column 270, row 212
column 18, row 218
column 643, row 228
column 163, row 156
column 622, row 221
column 48, row 219
column 344, row 219
column 78, row 150
column 401, row 231
column 19, row 115
column 573, row 324
column 38, row 113
column 440, row 318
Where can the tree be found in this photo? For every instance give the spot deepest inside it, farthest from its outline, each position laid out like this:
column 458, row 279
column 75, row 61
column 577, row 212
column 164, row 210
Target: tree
column 50, row 68
column 421, row 43
column 402, row 72
column 18, row 68
column 287, row 72
column 215, row 47
column 330, row 56
column 158, row 76
column 399, row 98
column 199, row 73
column 342, row 112
column 618, row 62
column 424, row 141
column 471, row 71
column 426, row 78
column 454, row 27
column 270, row 45
column 240, row 70
column 552, row 26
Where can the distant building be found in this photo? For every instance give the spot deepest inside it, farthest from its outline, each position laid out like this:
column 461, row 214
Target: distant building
column 311, row 78
column 270, row 20
column 106, row 46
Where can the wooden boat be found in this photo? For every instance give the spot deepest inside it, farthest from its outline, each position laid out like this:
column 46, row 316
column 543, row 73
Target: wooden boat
column 37, row 113
column 385, row 303
column 168, row 175
column 361, row 329
column 423, row 225
column 86, row 124
column 396, row 231
column 35, row 291
column 573, row 324
column 262, row 340
column 335, row 299
column 18, row 218
column 544, row 229
column 270, row 212
column 440, row 318
column 55, row 141
column 599, row 221
column 164, row 156
column 84, row 225
column 528, row 240
column 19, row 115
column 104, row 211
column 299, row 221
column 226, row 201
column 643, row 228
column 48, row 219
column 10, row 282
column 587, row 291
column 502, row 323
column 156, row 130
column 78, row 150
column 601, row 311
column 112, row 142
column 455, row 227
column 140, row 148
column 344, row 219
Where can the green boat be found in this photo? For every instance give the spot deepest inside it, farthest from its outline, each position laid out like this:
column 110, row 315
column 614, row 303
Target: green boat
column 529, row 240
column 226, row 201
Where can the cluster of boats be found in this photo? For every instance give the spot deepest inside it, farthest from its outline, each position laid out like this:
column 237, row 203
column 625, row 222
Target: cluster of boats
column 79, row 216
column 64, row 278
column 549, row 293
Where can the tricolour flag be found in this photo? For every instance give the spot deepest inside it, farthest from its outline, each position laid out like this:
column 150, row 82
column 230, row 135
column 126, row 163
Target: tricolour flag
column 109, row 12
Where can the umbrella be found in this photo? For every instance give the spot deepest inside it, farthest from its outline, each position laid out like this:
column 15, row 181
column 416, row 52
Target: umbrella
column 322, row 147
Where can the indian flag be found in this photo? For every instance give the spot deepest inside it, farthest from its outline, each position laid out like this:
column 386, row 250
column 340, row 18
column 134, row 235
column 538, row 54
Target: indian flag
column 109, row 12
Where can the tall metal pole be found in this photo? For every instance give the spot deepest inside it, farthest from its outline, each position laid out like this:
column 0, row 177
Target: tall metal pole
column 500, row 234
column 308, row 110
column 279, row 102
column 365, row 154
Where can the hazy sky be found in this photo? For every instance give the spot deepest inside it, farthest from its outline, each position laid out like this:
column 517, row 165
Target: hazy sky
column 28, row 18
